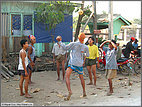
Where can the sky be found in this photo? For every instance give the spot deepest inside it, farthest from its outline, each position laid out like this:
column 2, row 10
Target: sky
column 128, row 9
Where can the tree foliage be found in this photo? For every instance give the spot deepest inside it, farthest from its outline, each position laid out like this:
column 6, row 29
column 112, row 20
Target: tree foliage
column 53, row 13
column 86, row 10
column 137, row 21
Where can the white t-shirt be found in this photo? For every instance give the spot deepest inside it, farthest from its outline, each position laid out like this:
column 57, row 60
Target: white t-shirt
column 58, row 50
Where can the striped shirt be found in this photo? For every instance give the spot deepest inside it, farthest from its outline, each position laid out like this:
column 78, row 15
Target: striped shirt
column 111, row 62
column 76, row 53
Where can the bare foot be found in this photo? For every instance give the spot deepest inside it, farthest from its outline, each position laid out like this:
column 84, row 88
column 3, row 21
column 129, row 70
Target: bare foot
column 22, row 94
column 63, row 81
column 68, row 97
column 31, row 82
column 84, row 95
column 28, row 96
column 58, row 79
column 90, row 83
column 95, row 85
column 109, row 93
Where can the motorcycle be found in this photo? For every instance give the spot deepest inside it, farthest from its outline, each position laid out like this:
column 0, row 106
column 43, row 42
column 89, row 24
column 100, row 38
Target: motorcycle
column 123, row 64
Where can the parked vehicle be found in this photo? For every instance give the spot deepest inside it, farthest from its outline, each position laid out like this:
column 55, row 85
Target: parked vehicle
column 137, row 65
column 123, row 64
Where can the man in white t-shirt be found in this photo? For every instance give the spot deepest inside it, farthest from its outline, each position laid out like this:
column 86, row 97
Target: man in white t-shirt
column 61, row 56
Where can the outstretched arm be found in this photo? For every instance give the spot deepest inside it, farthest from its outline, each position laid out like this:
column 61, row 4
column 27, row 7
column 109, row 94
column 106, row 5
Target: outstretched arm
column 66, row 47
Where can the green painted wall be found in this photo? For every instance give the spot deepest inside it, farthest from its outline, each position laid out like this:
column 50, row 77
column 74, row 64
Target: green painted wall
column 117, row 26
column 23, row 8
column 91, row 27
column 18, row 7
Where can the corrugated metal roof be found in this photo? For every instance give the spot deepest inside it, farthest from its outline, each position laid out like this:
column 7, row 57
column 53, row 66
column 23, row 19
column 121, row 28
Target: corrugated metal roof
column 103, row 19
column 78, row 4
column 37, row 1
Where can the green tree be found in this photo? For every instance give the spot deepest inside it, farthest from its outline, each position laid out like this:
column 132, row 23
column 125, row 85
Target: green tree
column 86, row 12
column 75, row 22
column 104, row 12
column 53, row 13
column 137, row 21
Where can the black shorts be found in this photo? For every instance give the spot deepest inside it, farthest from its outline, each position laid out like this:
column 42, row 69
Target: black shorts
column 29, row 67
column 22, row 72
column 90, row 62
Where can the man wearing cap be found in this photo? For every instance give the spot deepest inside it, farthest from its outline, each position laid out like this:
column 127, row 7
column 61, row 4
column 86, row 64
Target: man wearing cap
column 76, row 61
column 31, row 56
column 129, row 48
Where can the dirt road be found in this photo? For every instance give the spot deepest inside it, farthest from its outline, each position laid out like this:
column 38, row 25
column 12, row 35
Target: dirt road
column 52, row 92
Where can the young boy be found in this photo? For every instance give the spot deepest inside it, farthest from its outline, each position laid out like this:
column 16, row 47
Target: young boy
column 111, row 63
column 31, row 56
column 91, row 60
column 75, row 62
column 60, row 55
column 22, row 67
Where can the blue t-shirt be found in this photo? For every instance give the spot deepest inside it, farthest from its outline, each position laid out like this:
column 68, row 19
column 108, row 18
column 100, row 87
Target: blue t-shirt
column 135, row 45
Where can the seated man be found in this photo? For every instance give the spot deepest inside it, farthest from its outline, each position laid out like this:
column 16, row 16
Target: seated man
column 129, row 48
column 135, row 45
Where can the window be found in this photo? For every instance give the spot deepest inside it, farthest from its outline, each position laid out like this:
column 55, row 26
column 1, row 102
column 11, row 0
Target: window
column 27, row 29
column 16, row 25
column 21, row 25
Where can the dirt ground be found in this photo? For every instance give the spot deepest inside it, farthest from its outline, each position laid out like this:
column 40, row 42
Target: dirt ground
column 52, row 92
